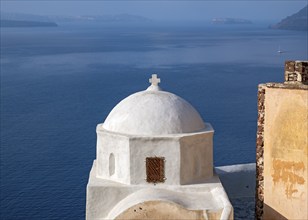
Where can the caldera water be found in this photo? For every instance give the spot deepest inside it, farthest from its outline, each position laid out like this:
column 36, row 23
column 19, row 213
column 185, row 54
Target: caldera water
column 58, row 83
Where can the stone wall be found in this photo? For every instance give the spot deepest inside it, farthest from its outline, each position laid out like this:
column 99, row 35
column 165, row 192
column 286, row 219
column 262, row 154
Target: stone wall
column 259, row 153
column 296, row 72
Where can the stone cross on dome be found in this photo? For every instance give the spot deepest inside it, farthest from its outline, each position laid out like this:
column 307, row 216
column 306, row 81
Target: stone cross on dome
column 154, row 80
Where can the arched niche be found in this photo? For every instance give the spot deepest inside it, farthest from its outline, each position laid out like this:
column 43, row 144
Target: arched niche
column 111, row 164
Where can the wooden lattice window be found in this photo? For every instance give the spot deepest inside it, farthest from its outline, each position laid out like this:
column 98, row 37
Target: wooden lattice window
column 155, row 169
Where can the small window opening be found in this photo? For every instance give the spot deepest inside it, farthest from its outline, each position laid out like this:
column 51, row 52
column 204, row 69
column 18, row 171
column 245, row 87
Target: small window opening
column 155, row 169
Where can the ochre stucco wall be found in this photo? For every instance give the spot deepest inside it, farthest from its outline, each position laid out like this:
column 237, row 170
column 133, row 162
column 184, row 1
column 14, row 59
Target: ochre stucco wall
column 285, row 153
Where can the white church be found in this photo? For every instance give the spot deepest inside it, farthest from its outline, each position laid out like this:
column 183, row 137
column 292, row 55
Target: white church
column 154, row 160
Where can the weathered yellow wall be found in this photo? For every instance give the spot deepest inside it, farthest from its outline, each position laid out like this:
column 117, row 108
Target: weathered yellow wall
column 285, row 153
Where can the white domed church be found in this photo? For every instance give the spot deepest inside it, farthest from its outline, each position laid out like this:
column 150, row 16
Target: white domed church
column 155, row 161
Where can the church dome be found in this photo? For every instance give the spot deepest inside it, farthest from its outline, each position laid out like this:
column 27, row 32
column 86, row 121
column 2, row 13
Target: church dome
column 153, row 112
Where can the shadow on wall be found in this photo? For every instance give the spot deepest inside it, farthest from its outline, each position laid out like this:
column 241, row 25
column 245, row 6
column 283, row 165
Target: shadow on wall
column 239, row 181
column 270, row 213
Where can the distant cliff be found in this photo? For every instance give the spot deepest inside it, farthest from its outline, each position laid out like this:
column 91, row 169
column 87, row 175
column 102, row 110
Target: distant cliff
column 297, row 21
column 15, row 23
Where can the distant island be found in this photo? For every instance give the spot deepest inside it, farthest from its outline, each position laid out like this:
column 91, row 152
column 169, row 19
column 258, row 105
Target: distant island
column 230, row 21
column 17, row 23
column 25, row 20
column 100, row 18
column 29, row 20
column 297, row 21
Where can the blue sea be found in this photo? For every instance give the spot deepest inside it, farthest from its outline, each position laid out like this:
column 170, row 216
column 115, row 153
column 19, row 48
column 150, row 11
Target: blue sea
column 58, row 83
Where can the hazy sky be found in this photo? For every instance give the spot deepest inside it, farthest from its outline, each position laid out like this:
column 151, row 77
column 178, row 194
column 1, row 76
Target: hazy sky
column 162, row 10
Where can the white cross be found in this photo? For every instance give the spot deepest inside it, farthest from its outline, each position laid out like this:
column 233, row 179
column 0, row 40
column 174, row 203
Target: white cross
column 154, row 80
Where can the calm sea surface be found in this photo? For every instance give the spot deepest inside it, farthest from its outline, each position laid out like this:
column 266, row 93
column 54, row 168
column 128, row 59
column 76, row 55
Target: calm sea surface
column 57, row 84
